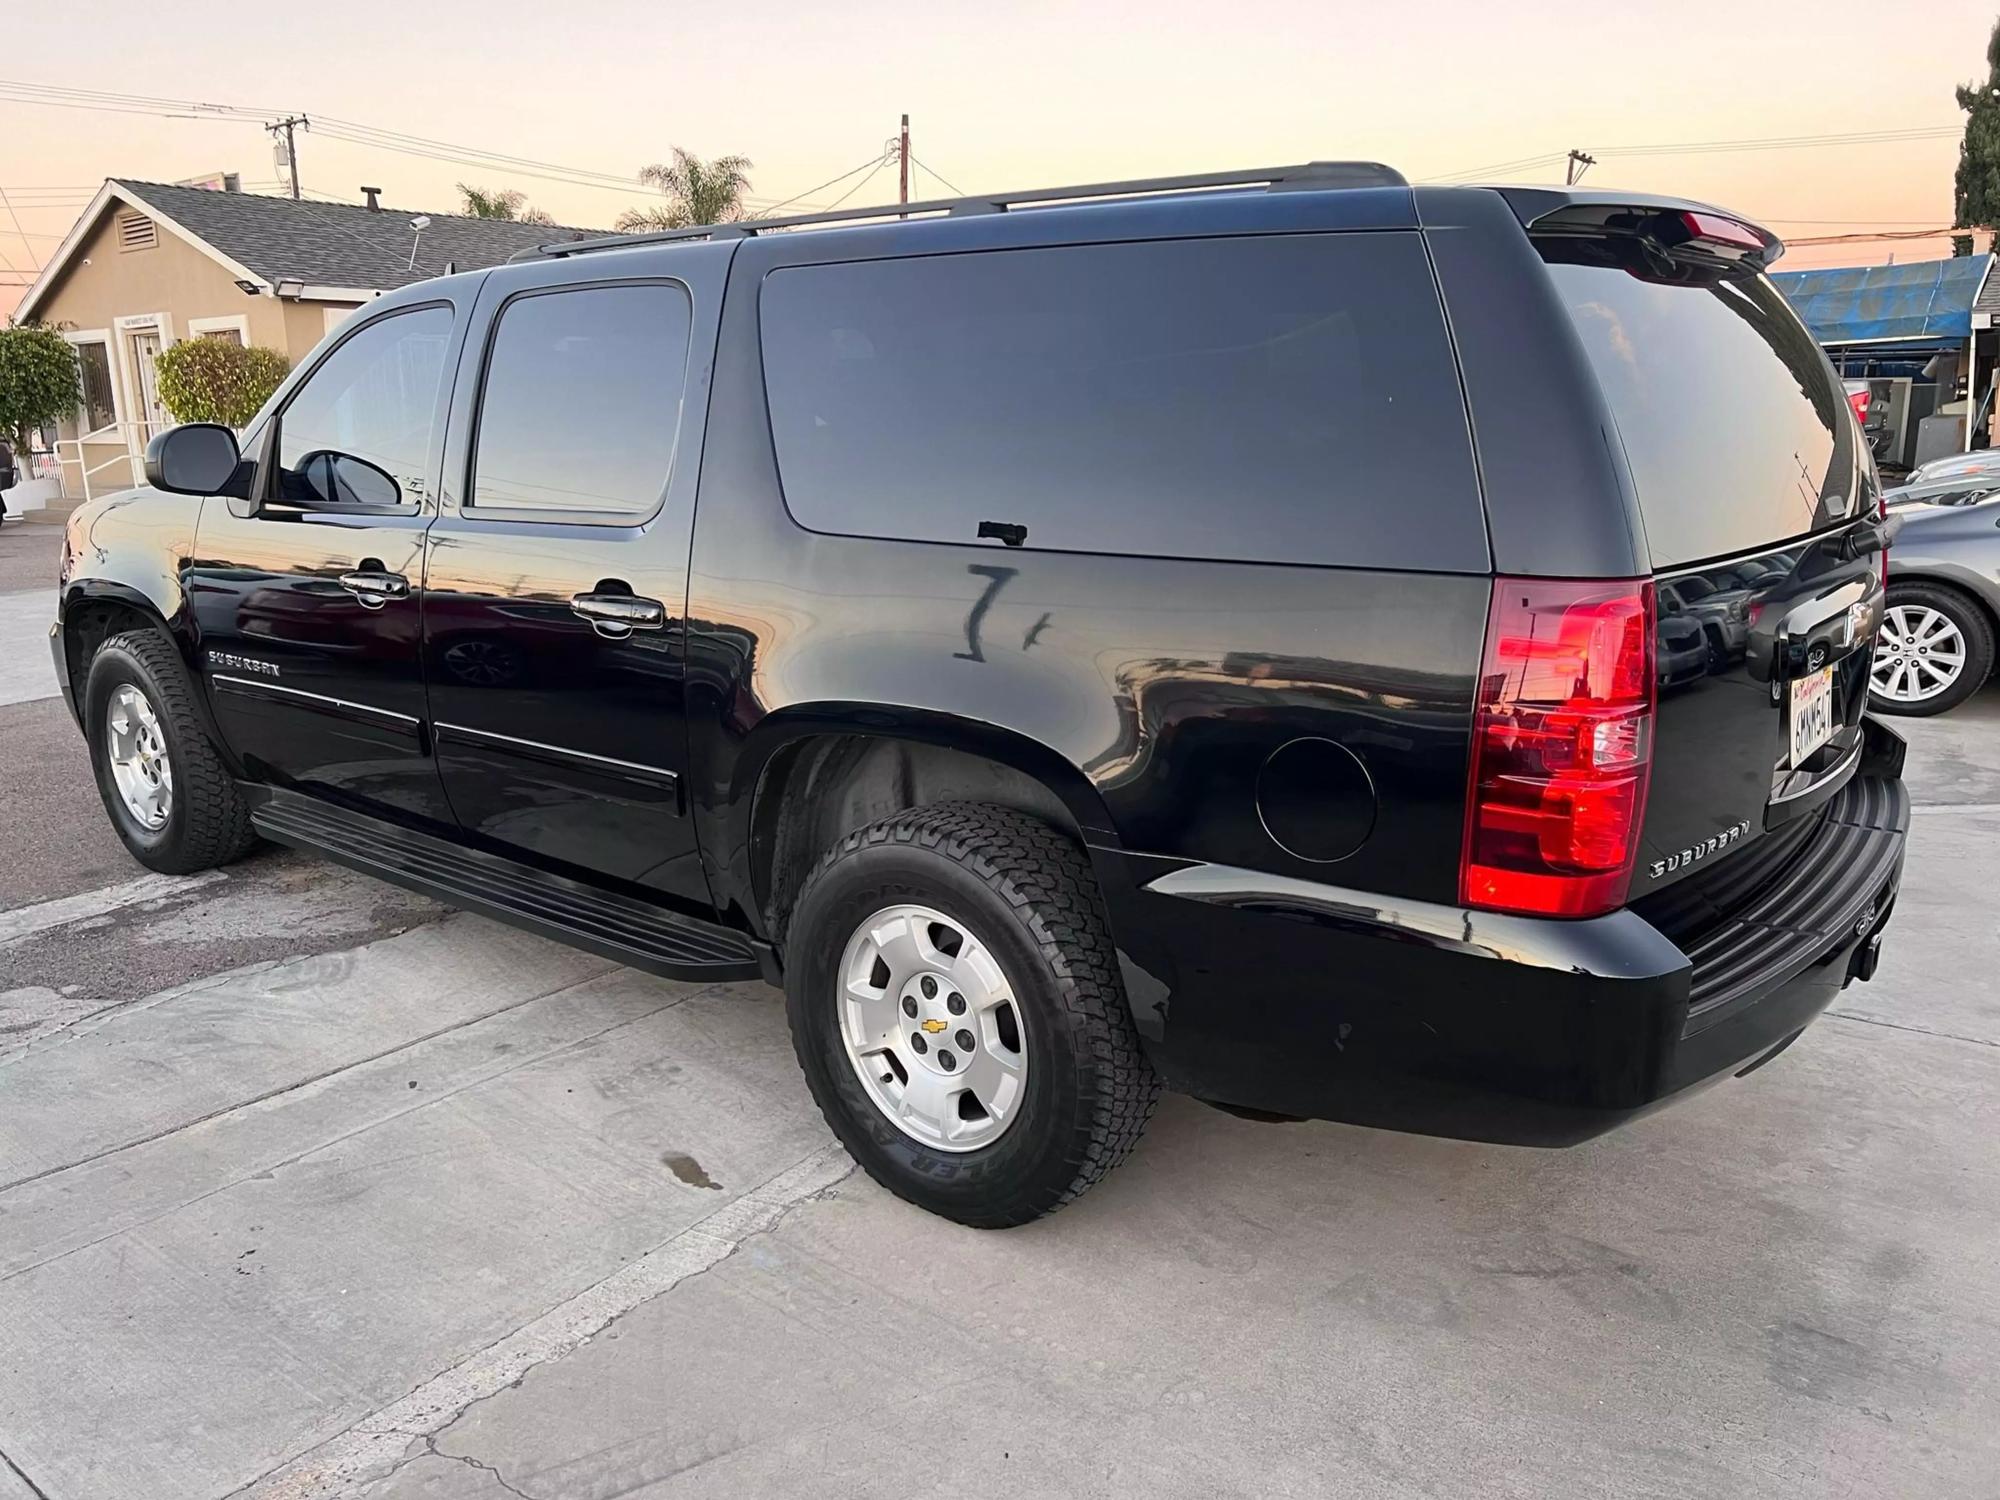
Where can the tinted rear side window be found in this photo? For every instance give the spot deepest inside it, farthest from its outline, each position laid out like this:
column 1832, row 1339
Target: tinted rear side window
column 1738, row 433
column 1277, row 398
column 582, row 401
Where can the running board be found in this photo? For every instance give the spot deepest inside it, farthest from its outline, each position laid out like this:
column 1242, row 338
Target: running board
column 584, row 916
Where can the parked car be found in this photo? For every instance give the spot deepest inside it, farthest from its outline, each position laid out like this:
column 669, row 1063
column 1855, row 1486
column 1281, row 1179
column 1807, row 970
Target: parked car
column 1187, row 634
column 1936, row 645
column 1981, row 463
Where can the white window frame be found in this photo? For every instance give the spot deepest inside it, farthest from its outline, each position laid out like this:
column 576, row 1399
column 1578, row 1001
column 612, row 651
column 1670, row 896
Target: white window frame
column 116, row 366
column 239, row 323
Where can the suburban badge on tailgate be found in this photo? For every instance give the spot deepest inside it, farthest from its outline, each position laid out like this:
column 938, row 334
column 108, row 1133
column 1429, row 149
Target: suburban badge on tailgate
column 1694, row 853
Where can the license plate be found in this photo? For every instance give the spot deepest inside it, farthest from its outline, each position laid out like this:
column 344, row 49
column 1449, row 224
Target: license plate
column 1811, row 718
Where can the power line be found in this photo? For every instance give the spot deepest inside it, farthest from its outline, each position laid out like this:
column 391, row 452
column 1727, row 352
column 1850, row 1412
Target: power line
column 880, row 162
column 957, row 192
column 354, row 132
column 787, row 203
column 1785, row 142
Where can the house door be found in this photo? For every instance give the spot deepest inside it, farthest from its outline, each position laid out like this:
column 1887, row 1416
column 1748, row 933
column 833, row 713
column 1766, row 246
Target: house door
column 142, row 347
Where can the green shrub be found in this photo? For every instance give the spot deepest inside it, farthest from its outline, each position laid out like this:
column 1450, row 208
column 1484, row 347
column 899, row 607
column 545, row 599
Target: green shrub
column 213, row 380
column 39, row 384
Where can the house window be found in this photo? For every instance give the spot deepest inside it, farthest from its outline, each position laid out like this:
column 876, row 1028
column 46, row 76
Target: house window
column 234, row 329
column 137, row 232
column 222, row 336
column 94, row 361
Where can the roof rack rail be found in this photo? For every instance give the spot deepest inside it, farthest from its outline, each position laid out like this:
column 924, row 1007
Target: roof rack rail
column 1312, row 176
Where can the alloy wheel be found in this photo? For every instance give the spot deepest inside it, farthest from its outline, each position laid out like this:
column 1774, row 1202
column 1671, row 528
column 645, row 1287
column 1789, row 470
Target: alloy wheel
column 1919, row 654
column 137, row 749
column 932, row 1029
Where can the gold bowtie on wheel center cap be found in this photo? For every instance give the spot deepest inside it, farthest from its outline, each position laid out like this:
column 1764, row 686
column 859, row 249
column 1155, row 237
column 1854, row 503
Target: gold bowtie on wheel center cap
column 933, row 1026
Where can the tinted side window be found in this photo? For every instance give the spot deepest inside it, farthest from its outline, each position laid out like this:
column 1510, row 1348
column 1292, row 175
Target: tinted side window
column 582, row 402
column 1283, row 398
column 373, row 400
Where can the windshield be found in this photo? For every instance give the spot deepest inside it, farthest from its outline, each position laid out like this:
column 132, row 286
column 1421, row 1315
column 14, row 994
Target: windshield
column 1737, row 431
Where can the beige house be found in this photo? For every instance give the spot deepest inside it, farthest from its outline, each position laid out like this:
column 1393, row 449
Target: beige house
column 150, row 263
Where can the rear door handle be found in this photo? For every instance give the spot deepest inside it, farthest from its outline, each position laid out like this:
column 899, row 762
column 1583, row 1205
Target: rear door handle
column 374, row 589
column 615, row 616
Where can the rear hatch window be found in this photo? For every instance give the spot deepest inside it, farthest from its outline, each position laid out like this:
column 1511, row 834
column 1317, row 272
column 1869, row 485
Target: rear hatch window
column 1737, row 431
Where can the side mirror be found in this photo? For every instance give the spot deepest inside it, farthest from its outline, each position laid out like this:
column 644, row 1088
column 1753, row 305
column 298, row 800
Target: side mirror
column 200, row 458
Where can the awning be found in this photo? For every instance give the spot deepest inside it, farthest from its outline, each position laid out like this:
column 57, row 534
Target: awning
column 1923, row 305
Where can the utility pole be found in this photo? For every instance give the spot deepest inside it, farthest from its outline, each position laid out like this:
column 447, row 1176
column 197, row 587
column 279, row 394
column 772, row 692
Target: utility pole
column 903, row 160
column 291, row 151
column 1579, row 163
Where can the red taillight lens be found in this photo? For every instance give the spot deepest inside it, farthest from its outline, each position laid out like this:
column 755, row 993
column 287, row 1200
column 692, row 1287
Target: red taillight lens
column 1562, row 746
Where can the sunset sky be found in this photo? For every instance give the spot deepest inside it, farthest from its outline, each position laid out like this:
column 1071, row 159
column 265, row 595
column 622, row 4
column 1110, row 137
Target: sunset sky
column 1009, row 96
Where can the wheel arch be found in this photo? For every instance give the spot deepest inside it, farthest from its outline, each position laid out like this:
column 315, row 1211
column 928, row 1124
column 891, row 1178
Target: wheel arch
column 812, row 774
column 94, row 610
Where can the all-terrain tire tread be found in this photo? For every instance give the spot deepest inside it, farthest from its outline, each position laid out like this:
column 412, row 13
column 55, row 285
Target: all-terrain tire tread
column 1043, row 875
column 216, row 823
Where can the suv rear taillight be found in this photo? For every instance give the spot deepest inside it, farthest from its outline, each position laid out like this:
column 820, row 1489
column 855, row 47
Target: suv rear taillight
column 1562, row 746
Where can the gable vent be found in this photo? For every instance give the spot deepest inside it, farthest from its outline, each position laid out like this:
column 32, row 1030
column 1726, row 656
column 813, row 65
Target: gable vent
column 137, row 232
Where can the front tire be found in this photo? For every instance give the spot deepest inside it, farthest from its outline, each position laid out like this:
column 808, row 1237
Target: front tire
column 1934, row 650
column 978, row 925
column 170, row 797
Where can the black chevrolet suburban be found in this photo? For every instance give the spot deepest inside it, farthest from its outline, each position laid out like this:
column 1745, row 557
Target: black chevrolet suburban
column 1335, row 648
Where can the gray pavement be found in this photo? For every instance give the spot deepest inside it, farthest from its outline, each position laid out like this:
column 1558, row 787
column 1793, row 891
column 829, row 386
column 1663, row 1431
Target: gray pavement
column 312, row 1188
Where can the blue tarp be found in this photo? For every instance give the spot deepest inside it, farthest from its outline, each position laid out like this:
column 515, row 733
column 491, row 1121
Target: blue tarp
column 1925, row 300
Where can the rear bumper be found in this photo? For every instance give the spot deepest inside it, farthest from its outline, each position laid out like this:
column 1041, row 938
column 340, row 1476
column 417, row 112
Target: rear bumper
column 1304, row 999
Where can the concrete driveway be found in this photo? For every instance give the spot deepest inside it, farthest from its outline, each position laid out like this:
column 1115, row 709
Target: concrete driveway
column 312, row 1188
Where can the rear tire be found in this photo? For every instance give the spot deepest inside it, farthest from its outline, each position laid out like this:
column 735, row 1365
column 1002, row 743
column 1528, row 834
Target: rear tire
column 1904, row 678
column 1002, row 886
column 137, row 680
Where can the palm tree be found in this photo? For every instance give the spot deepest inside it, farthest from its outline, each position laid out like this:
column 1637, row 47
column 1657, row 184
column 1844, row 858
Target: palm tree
column 697, row 192
column 500, row 203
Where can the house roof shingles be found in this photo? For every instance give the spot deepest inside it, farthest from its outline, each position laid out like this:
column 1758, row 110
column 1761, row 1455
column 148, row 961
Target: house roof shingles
column 340, row 244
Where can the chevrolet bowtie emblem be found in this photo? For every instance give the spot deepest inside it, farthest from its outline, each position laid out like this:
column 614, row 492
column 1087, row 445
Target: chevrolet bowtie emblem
column 933, row 1027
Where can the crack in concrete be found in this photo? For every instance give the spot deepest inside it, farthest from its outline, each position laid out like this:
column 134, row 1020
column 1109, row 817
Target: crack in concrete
column 355, row 1461
column 431, row 1447
column 292, row 1087
column 426, row 1102
column 21, row 1474
column 1944, row 1036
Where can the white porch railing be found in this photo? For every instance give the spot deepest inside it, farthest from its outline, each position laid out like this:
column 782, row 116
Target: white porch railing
column 129, row 437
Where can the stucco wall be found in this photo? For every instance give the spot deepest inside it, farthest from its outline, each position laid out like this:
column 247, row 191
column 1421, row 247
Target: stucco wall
column 103, row 283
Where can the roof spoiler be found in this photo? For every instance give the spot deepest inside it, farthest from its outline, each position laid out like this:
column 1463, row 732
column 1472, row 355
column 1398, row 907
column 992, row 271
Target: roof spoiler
column 1672, row 223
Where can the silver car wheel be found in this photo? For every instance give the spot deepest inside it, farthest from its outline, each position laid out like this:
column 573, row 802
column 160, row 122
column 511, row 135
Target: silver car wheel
column 932, row 1029
column 1919, row 654
column 137, row 750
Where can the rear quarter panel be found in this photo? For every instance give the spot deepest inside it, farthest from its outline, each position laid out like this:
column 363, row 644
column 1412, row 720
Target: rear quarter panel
column 1155, row 689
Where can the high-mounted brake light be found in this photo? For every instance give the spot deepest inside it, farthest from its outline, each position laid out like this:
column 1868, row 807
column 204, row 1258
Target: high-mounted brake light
column 1562, row 747
column 1722, row 236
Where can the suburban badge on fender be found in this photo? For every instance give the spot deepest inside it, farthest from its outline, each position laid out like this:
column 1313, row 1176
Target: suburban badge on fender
column 1695, row 853
column 228, row 661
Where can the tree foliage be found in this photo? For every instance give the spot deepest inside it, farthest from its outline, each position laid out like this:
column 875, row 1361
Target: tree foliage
column 1976, row 188
column 696, row 192
column 500, row 203
column 214, row 380
column 39, row 382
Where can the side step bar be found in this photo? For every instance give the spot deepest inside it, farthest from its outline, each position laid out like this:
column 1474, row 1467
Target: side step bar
column 584, row 916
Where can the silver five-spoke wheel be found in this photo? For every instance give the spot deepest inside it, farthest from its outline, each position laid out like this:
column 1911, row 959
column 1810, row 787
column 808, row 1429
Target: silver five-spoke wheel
column 932, row 1029
column 1919, row 654
column 139, row 763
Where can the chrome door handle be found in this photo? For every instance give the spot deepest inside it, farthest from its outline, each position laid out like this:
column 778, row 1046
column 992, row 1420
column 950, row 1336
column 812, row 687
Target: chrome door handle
column 615, row 616
column 375, row 589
